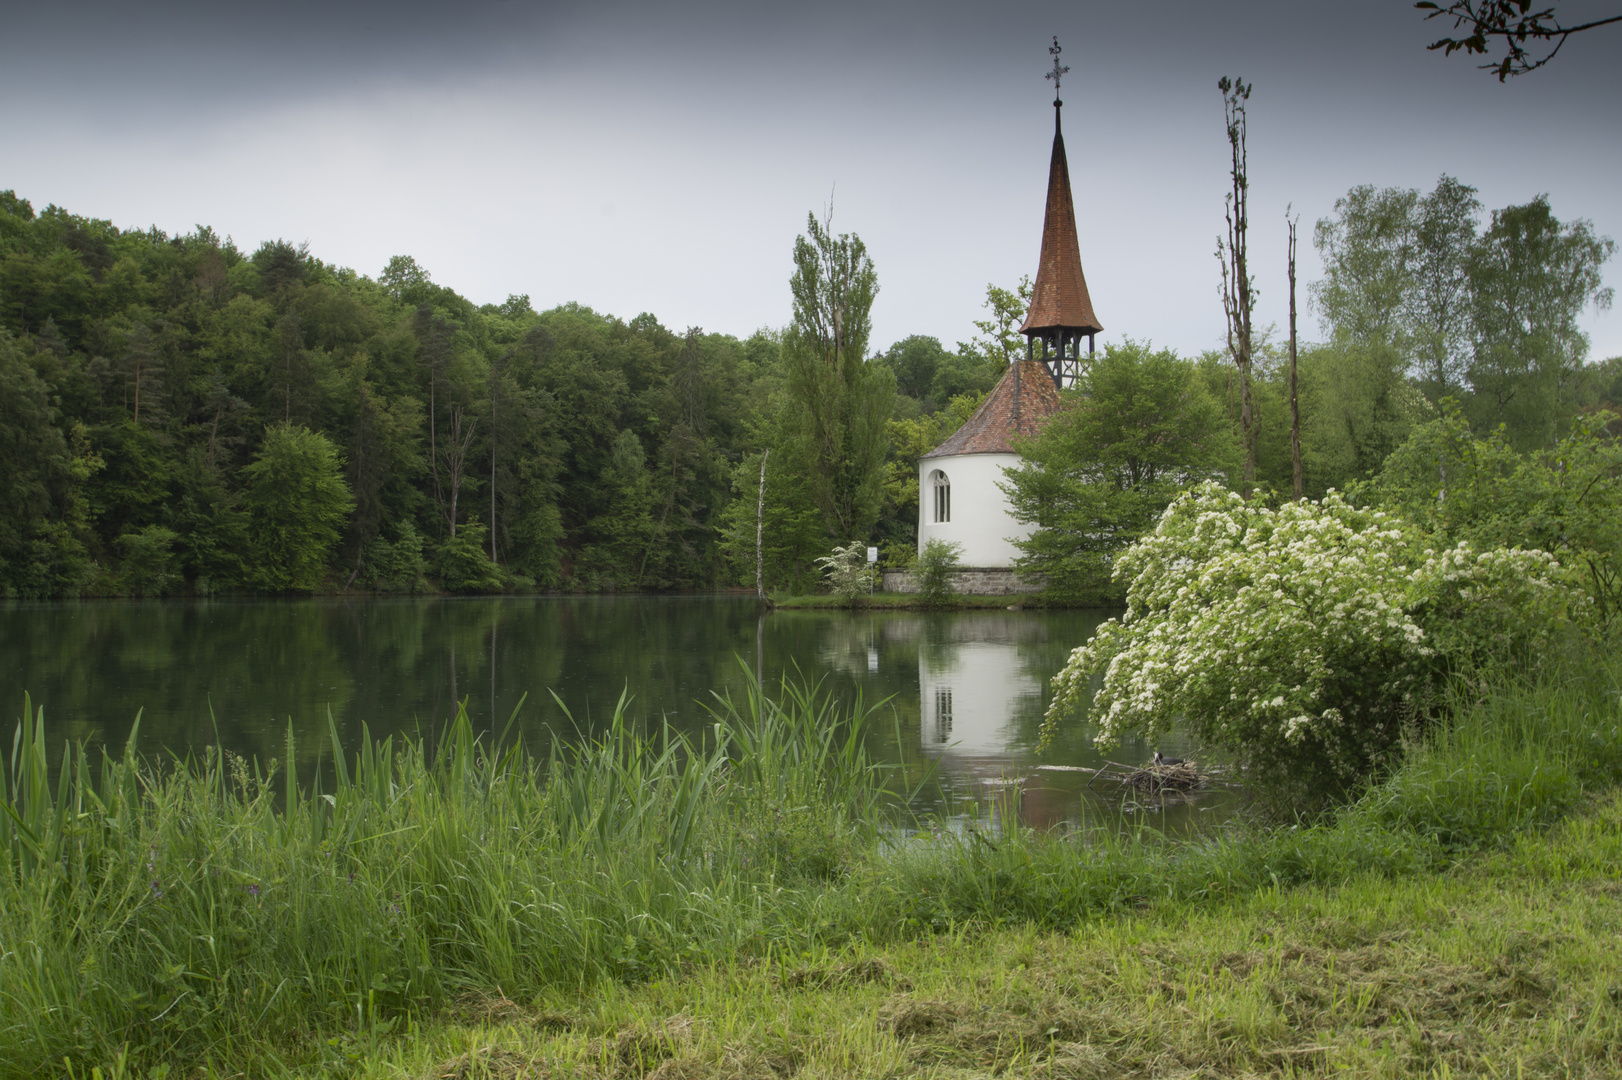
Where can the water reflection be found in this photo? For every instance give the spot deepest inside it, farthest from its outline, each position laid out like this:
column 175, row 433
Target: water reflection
column 966, row 691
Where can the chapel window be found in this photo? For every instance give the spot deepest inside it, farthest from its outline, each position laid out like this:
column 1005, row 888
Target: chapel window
column 943, row 495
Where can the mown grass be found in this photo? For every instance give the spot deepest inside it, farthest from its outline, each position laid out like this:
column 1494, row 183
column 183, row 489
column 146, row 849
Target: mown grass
column 737, row 909
column 1505, row 966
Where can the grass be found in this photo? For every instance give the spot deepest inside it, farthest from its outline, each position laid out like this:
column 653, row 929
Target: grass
column 645, row 906
column 1507, row 966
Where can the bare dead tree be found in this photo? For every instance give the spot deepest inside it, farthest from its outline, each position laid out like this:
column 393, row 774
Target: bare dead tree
column 434, row 346
column 1238, row 289
column 454, row 458
column 495, row 429
column 1295, row 404
column 760, row 519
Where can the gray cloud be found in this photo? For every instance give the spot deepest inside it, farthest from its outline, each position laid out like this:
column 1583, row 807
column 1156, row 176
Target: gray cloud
column 639, row 156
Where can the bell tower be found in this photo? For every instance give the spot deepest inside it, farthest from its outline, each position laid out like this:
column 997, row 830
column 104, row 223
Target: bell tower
column 1061, row 312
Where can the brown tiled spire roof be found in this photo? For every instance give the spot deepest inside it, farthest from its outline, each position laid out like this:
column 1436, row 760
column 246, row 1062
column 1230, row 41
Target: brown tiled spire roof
column 1059, row 298
column 1019, row 404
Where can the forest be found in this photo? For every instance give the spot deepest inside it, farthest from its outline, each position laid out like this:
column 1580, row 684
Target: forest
column 181, row 417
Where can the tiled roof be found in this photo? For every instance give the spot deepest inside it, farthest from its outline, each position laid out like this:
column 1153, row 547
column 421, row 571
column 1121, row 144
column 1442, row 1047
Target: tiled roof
column 1059, row 297
column 1019, row 404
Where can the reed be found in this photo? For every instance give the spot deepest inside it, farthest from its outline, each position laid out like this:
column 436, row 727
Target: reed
column 173, row 911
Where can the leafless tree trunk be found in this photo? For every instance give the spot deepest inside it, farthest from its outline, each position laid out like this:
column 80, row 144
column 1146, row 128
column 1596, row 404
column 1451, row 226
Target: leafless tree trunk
column 1295, row 405
column 494, row 429
column 455, row 458
column 1238, row 290
column 760, row 518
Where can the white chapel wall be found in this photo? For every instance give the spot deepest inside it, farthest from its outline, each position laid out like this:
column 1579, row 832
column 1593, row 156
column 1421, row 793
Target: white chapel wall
column 980, row 518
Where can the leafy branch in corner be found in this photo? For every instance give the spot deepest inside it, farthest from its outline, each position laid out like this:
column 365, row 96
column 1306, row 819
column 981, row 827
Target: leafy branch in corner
column 1514, row 21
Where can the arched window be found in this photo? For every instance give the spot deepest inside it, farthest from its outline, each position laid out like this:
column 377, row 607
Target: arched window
column 942, row 488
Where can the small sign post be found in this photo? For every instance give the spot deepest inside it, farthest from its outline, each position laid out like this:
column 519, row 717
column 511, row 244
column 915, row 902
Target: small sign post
column 872, row 572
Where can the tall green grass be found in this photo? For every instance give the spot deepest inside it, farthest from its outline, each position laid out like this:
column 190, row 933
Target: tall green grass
column 180, row 911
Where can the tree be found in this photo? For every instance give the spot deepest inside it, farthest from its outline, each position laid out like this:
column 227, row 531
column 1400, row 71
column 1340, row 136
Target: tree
column 1395, row 277
column 1000, row 343
column 1509, row 23
column 297, row 503
column 1238, row 288
column 1439, row 312
column 1531, row 277
column 1138, row 428
column 36, row 466
column 914, row 361
column 839, row 403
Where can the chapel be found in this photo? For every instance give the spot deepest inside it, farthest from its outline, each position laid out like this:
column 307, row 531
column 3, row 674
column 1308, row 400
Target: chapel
column 960, row 499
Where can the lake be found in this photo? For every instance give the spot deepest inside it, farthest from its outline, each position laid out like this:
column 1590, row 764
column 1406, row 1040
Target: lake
column 966, row 690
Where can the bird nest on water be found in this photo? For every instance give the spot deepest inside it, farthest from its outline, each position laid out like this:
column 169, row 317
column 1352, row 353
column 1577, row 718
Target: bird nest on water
column 1154, row 779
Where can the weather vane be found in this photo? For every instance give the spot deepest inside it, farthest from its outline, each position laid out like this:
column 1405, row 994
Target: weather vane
column 1058, row 69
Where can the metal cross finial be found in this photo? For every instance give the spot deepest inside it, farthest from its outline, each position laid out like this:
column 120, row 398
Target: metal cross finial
column 1058, row 69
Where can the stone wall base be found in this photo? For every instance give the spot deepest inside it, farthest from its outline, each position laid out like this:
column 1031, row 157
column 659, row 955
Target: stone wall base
column 971, row 581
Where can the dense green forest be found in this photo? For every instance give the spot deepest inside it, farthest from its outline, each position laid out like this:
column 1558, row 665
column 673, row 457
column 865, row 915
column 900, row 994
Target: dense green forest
column 178, row 416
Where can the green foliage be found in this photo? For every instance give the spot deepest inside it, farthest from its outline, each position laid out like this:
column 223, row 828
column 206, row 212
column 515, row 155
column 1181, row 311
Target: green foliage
column 296, row 502
column 398, row 566
column 837, row 402
column 1566, row 500
column 464, row 565
column 933, row 571
column 1000, row 343
column 792, row 534
column 149, row 560
column 171, row 356
column 847, row 571
column 1411, row 287
column 34, row 476
column 1307, row 640
column 1531, row 276
column 1138, row 428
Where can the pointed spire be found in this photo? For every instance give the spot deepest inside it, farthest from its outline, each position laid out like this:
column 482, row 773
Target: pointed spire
column 1059, row 298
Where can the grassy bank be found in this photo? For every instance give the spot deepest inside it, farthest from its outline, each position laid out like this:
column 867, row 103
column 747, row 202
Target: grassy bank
column 733, row 909
column 1506, row 965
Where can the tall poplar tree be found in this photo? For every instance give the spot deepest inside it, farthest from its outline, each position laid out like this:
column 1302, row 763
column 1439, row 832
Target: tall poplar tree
column 839, row 404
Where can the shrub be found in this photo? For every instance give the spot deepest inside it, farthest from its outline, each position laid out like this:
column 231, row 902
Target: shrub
column 400, row 566
column 847, row 572
column 933, row 571
column 149, row 560
column 1306, row 640
column 464, row 566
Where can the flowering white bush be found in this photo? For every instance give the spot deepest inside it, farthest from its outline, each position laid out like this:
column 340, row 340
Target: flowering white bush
column 1301, row 638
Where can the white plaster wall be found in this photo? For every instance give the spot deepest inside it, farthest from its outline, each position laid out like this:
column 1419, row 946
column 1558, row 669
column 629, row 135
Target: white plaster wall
column 980, row 518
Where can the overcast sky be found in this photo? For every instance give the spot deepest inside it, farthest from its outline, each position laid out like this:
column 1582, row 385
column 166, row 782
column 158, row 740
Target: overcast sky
column 661, row 157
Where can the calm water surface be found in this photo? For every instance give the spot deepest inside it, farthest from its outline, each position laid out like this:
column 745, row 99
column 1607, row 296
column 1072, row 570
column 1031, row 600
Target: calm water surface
column 968, row 689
